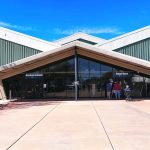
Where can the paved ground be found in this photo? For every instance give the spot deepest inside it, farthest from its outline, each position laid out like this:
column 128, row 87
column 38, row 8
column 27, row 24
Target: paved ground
column 82, row 125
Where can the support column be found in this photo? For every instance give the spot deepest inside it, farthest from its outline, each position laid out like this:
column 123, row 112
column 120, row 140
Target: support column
column 146, row 88
column 2, row 92
column 76, row 76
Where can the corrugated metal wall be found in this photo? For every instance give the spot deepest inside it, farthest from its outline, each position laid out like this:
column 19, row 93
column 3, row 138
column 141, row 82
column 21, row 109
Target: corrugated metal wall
column 10, row 52
column 139, row 49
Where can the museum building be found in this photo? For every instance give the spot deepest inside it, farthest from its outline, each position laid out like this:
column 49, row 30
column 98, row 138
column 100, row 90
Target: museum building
column 75, row 67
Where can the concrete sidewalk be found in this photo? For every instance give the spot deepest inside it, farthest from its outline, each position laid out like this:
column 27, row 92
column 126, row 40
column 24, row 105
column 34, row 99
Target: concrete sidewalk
column 81, row 125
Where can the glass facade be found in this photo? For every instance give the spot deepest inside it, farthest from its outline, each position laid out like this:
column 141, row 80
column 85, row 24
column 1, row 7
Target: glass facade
column 53, row 80
column 56, row 80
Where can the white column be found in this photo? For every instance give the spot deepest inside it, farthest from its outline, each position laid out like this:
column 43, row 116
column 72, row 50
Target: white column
column 2, row 92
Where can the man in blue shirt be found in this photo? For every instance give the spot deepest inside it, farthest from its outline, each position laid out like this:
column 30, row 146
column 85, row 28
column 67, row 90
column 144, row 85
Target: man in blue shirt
column 109, row 89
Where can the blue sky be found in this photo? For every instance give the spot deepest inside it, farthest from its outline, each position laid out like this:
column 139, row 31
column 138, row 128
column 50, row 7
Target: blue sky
column 54, row 19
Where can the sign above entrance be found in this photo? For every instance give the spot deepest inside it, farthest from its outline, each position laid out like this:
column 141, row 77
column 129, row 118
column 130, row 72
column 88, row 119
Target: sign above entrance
column 33, row 75
column 122, row 74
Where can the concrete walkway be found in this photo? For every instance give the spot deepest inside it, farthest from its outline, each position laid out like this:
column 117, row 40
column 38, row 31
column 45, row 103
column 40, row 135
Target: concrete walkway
column 82, row 125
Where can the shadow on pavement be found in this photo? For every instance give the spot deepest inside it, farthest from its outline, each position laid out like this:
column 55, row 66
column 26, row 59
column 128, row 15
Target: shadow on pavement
column 22, row 104
column 26, row 104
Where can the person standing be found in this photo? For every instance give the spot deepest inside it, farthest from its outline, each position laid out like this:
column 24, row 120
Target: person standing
column 127, row 92
column 117, row 89
column 109, row 89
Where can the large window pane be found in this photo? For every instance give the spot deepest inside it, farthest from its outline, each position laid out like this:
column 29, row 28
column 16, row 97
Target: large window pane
column 94, row 69
column 84, row 87
column 83, row 67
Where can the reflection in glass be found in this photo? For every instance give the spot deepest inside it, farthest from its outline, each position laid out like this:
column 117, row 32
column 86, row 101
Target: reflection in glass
column 83, row 67
column 49, row 81
column 92, row 82
column 56, row 80
column 94, row 69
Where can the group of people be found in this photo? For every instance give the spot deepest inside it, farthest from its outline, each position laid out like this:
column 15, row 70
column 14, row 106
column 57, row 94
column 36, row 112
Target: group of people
column 114, row 88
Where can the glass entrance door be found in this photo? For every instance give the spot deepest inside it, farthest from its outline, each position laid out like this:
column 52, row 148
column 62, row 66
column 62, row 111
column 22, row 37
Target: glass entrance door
column 93, row 77
column 91, row 87
column 34, row 88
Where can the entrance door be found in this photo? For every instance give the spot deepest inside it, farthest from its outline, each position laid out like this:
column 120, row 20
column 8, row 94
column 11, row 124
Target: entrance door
column 59, row 85
column 90, row 87
column 34, row 88
column 60, row 89
column 95, row 87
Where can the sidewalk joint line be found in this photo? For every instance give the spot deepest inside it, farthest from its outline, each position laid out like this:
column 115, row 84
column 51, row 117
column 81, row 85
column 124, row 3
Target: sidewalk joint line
column 31, row 127
column 137, row 109
column 100, row 120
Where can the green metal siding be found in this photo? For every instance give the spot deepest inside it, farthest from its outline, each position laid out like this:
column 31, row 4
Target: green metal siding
column 10, row 52
column 139, row 49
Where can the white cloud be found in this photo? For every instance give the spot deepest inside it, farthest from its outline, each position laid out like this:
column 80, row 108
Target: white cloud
column 12, row 26
column 108, row 30
column 98, row 30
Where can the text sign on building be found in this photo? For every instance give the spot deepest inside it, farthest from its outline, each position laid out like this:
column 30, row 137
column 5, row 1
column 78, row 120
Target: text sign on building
column 122, row 74
column 33, row 75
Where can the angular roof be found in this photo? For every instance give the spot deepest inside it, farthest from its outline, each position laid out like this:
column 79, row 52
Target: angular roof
column 43, row 45
column 80, row 35
column 67, row 50
column 126, row 39
column 67, row 46
column 26, row 40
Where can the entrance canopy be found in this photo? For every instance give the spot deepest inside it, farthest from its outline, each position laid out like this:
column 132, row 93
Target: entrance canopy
column 80, row 48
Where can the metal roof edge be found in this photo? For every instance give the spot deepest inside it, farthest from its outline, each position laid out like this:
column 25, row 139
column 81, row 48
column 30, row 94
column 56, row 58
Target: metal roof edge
column 126, row 35
column 24, row 39
column 81, row 35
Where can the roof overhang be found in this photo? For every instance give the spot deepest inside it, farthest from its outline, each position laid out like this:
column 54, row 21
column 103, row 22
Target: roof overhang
column 80, row 35
column 26, row 40
column 126, row 39
column 111, row 57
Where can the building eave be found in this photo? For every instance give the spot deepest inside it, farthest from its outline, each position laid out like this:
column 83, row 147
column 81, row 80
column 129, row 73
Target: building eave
column 111, row 57
column 26, row 40
column 80, row 35
column 126, row 39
